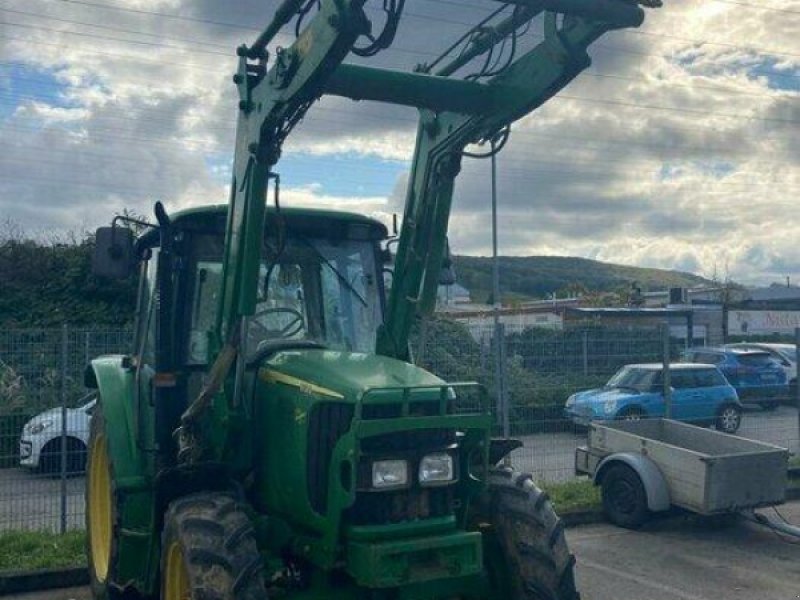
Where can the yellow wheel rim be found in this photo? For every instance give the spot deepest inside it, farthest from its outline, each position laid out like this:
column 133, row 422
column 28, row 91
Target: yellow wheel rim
column 176, row 580
column 100, row 521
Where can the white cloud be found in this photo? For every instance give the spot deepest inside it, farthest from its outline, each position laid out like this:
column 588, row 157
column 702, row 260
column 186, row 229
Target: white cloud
column 705, row 175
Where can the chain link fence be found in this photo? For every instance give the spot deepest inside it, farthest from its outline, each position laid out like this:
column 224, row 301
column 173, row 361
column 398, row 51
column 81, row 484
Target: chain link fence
column 530, row 373
column 45, row 412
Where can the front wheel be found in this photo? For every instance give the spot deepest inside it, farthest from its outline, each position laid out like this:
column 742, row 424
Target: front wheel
column 525, row 549
column 208, row 551
column 729, row 419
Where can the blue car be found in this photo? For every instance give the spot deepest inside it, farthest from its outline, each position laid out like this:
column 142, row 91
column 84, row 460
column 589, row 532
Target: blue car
column 700, row 394
column 757, row 377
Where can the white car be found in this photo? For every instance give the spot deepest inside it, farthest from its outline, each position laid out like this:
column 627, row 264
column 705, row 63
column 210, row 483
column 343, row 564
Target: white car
column 40, row 442
column 785, row 354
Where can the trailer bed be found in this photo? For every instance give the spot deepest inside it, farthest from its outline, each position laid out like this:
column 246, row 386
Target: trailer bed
column 706, row 471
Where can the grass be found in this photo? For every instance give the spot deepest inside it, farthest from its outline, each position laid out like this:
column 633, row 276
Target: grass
column 32, row 550
column 573, row 496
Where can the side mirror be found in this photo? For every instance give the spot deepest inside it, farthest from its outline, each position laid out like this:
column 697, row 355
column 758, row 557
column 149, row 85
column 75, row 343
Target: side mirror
column 447, row 276
column 113, row 253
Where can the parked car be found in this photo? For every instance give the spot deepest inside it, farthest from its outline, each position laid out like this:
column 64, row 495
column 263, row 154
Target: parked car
column 757, row 377
column 700, row 394
column 40, row 442
column 784, row 354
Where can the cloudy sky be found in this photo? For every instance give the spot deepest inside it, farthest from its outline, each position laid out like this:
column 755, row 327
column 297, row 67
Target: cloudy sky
column 679, row 148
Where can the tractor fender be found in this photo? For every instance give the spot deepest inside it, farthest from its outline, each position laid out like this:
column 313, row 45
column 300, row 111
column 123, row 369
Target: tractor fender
column 116, row 386
column 652, row 478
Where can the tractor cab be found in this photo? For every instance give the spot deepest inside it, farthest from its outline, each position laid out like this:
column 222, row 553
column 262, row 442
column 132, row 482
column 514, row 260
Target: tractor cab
column 320, row 281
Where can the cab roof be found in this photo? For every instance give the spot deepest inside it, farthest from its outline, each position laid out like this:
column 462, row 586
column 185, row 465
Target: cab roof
column 310, row 220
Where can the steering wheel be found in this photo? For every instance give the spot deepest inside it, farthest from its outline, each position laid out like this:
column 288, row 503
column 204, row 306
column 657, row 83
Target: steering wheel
column 294, row 326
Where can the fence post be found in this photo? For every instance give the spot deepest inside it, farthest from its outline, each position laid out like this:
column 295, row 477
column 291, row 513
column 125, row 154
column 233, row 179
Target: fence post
column 796, row 384
column 498, row 370
column 423, row 342
column 505, row 400
column 87, row 348
column 63, row 399
column 666, row 377
column 585, row 353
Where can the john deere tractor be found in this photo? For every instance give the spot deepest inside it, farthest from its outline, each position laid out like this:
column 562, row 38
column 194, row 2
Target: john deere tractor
column 268, row 436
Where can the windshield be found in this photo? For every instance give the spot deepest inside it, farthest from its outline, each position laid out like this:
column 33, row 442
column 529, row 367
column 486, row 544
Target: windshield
column 318, row 290
column 641, row 380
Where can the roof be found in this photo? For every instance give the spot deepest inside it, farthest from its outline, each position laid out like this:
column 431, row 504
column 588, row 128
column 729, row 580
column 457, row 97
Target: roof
column 774, row 292
column 216, row 210
column 732, row 350
column 769, row 345
column 216, row 214
column 630, row 312
column 672, row 366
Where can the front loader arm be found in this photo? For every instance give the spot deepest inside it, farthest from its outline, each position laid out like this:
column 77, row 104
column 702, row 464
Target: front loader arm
column 271, row 102
column 525, row 85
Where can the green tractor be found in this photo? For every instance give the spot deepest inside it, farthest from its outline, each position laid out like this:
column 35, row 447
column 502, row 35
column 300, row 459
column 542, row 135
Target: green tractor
column 268, row 436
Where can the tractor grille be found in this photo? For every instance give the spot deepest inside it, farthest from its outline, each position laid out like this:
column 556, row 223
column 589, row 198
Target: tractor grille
column 382, row 508
column 410, row 504
column 327, row 422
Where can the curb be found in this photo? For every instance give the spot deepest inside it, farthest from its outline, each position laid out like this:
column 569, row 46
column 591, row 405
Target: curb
column 584, row 517
column 47, row 579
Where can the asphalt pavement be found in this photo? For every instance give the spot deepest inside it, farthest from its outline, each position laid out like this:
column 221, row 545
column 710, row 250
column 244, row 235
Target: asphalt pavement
column 686, row 558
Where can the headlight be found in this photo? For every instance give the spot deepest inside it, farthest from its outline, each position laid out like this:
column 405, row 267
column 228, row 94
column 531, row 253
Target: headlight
column 571, row 401
column 39, row 427
column 387, row 474
column 436, row 468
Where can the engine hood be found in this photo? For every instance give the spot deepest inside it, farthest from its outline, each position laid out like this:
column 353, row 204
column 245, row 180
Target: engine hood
column 602, row 395
column 343, row 375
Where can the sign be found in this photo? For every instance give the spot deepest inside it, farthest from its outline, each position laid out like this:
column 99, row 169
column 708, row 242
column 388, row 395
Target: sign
column 760, row 322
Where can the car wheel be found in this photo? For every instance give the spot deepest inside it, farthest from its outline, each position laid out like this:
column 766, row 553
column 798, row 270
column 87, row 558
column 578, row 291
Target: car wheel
column 770, row 406
column 624, row 497
column 729, row 419
column 632, row 414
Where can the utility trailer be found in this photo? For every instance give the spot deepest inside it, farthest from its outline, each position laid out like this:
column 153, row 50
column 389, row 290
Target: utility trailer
column 650, row 466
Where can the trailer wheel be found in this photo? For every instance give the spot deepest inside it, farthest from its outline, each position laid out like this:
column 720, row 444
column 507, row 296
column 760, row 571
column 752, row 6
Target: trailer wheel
column 624, row 497
column 524, row 545
column 208, row 551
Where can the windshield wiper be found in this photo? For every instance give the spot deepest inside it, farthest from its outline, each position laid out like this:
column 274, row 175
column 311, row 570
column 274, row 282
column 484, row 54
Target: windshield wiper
column 341, row 277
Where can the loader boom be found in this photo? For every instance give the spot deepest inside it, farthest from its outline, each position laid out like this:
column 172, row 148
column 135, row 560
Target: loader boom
column 454, row 113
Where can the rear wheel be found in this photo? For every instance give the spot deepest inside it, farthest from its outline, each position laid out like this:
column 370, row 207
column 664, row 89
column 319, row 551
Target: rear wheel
column 624, row 497
column 208, row 551
column 729, row 419
column 525, row 549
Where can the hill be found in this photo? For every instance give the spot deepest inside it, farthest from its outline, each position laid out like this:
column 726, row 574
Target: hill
column 529, row 277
